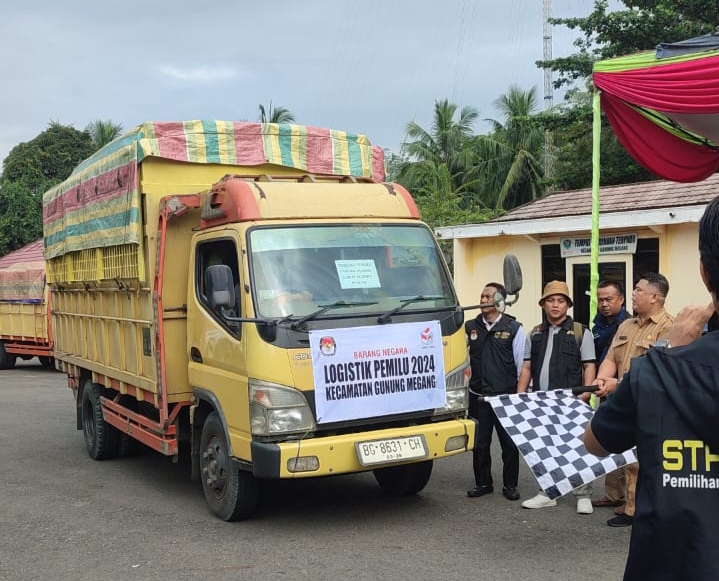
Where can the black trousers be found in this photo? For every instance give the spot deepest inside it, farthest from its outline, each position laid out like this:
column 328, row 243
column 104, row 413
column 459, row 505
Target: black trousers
column 482, row 460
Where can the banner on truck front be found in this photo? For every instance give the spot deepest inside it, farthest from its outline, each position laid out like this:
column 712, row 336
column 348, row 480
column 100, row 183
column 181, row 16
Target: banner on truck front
column 363, row 372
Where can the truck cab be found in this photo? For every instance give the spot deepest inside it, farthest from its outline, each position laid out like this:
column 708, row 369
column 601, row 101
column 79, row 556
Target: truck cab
column 261, row 285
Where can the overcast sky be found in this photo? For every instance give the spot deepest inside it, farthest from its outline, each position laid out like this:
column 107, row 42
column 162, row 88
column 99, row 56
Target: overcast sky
column 367, row 66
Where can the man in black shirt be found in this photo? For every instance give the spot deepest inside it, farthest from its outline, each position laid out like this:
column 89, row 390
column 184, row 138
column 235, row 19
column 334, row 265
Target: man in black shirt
column 496, row 353
column 668, row 407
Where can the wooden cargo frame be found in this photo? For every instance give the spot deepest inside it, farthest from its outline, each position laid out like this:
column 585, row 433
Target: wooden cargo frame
column 162, row 434
column 26, row 329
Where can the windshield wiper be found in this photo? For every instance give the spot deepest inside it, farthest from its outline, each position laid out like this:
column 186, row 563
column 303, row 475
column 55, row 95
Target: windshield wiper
column 324, row 308
column 419, row 298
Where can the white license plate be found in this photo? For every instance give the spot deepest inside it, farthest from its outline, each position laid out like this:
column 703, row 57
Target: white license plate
column 391, row 450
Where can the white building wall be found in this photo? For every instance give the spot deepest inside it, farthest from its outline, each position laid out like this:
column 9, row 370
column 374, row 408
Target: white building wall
column 679, row 262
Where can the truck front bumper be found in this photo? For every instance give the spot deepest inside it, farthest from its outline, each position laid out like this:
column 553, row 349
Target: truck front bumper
column 338, row 454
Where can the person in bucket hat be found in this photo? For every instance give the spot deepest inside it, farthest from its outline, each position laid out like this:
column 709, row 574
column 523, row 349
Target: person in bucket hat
column 556, row 287
column 562, row 356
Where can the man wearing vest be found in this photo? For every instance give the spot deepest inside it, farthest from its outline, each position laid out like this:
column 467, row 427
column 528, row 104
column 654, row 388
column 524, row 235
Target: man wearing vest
column 633, row 338
column 610, row 314
column 668, row 407
column 561, row 357
column 496, row 351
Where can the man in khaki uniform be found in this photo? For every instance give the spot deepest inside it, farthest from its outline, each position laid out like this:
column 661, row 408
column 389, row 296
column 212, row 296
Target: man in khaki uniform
column 634, row 337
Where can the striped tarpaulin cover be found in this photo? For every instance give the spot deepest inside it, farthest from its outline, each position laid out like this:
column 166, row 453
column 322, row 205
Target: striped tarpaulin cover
column 99, row 204
column 22, row 274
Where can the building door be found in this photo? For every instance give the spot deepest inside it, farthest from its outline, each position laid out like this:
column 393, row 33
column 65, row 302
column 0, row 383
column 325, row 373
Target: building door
column 611, row 267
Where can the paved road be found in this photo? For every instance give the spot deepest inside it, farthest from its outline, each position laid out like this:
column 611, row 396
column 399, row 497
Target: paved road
column 65, row 517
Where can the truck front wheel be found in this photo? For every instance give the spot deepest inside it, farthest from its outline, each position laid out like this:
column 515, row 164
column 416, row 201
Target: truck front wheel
column 7, row 360
column 100, row 437
column 404, row 480
column 232, row 494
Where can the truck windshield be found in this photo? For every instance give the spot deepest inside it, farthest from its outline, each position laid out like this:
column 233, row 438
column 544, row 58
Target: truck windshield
column 371, row 268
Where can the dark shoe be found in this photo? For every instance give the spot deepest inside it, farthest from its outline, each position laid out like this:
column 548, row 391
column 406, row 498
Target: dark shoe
column 606, row 501
column 622, row 520
column 510, row 493
column 480, row 491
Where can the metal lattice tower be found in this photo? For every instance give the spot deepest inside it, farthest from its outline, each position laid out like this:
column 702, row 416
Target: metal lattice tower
column 547, row 56
column 548, row 89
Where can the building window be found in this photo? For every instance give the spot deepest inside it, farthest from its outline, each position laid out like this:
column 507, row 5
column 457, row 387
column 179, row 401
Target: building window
column 553, row 265
column 646, row 259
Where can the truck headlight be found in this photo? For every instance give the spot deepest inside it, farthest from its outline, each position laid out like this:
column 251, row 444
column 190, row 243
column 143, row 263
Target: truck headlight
column 275, row 409
column 457, row 383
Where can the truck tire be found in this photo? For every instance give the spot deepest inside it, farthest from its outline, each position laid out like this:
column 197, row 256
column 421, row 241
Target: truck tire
column 127, row 446
column 101, row 439
column 231, row 493
column 47, row 361
column 7, row 360
column 404, row 480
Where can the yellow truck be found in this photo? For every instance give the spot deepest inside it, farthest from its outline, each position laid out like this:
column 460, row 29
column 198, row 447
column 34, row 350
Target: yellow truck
column 25, row 326
column 256, row 296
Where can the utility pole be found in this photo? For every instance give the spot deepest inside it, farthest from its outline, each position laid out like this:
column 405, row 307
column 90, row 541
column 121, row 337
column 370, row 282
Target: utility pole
column 548, row 89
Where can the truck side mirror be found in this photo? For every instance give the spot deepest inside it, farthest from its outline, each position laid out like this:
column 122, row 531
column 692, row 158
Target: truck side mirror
column 219, row 287
column 512, row 274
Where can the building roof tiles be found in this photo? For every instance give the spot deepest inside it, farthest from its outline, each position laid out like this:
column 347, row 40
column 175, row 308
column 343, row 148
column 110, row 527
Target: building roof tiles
column 637, row 196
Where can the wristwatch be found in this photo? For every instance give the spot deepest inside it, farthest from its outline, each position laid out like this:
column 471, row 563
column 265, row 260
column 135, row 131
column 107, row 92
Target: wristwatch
column 662, row 343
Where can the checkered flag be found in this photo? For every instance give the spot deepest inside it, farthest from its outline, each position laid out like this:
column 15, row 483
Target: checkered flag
column 547, row 427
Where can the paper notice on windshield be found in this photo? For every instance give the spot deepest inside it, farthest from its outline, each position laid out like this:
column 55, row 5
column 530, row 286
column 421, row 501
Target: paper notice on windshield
column 362, row 372
column 357, row 274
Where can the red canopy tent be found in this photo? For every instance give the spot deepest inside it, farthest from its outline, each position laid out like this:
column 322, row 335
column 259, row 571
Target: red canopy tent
column 664, row 106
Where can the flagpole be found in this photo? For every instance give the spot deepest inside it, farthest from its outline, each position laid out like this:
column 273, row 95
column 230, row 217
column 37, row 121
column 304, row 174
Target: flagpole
column 596, row 142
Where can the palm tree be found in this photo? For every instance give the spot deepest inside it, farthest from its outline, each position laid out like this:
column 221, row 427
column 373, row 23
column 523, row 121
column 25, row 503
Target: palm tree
column 510, row 168
column 445, row 142
column 103, row 132
column 275, row 115
column 442, row 151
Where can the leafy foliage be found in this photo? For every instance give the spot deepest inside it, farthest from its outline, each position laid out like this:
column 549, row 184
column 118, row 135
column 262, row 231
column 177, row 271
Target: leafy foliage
column 103, row 132
column 509, row 159
column 275, row 114
column 571, row 127
column 439, row 160
column 20, row 216
column 49, row 158
column 28, row 171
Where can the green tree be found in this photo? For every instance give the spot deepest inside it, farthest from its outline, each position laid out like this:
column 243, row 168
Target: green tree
column 275, row 114
column 47, row 159
column 442, row 152
column 103, row 132
column 440, row 205
column 641, row 26
column 446, row 142
column 509, row 159
column 20, row 217
column 29, row 170
column 571, row 124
